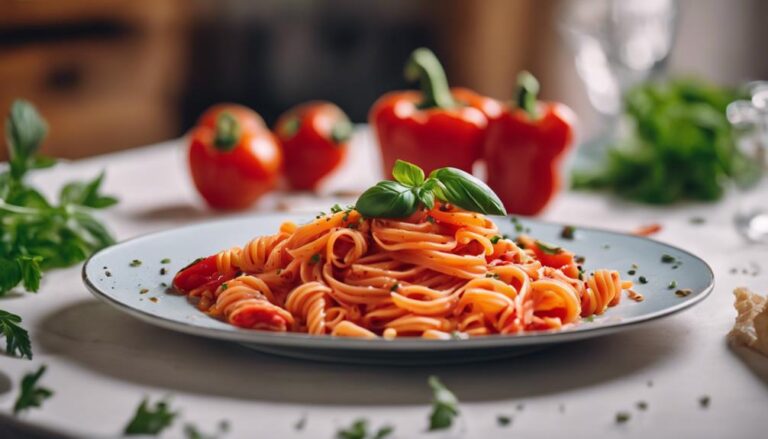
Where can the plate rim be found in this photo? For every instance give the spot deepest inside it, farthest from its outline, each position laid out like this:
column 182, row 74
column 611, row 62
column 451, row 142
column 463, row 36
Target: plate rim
column 294, row 339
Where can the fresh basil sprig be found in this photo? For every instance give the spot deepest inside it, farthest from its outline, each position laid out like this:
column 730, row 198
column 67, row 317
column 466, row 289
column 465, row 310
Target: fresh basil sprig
column 400, row 198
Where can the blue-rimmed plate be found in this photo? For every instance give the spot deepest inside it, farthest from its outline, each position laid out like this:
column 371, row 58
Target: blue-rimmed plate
column 140, row 290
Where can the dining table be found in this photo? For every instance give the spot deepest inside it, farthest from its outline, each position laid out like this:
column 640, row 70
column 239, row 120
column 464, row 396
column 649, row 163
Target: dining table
column 672, row 377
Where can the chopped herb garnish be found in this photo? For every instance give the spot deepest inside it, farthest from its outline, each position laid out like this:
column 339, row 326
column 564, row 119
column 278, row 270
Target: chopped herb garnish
column 590, row 319
column 16, row 338
column 579, row 259
column 667, row 259
column 445, row 406
column 150, row 420
column 430, row 219
column 622, row 417
column 394, row 287
column 31, row 395
column 642, row 280
column 704, row 401
column 163, row 271
column 457, row 335
column 549, row 248
column 336, row 208
column 503, row 420
column 135, row 263
column 567, row 232
column 163, row 284
column 108, row 273
column 631, row 272
column 224, row 286
column 683, row 292
column 518, row 226
column 672, row 285
column 495, row 239
column 143, row 291
column 301, row 423
column 165, row 261
column 642, row 405
column 315, row 258
column 192, row 432
column 359, row 430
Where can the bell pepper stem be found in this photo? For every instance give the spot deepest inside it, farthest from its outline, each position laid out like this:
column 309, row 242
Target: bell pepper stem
column 227, row 132
column 423, row 66
column 527, row 91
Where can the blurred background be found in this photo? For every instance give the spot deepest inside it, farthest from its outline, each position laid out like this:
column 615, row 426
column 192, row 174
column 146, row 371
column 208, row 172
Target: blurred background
column 115, row 74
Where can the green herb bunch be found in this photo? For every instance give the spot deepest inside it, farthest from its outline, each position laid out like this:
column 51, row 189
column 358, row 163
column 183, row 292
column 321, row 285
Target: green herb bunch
column 679, row 146
column 38, row 234
column 411, row 190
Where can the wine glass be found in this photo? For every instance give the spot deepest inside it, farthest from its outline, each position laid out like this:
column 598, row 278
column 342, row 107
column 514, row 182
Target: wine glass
column 749, row 119
column 616, row 44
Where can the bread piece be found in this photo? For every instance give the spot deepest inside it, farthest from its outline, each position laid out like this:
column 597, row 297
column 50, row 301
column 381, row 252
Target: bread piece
column 751, row 326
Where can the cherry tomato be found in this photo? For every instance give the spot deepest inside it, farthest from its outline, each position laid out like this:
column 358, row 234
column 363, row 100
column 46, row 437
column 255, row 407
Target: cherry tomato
column 315, row 138
column 196, row 274
column 233, row 158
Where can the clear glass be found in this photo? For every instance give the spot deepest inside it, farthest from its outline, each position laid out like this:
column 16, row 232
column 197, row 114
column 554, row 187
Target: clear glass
column 616, row 44
column 749, row 119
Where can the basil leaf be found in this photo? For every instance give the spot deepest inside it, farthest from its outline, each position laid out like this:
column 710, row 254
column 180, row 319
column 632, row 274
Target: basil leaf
column 408, row 173
column 468, row 192
column 388, row 199
column 426, row 196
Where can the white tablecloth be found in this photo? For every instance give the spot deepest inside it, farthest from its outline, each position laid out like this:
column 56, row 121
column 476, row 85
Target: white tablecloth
column 101, row 363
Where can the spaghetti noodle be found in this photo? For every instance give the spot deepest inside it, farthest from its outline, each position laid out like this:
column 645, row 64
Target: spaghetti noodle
column 440, row 273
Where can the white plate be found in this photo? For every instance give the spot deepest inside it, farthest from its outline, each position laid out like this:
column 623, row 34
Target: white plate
column 602, row 249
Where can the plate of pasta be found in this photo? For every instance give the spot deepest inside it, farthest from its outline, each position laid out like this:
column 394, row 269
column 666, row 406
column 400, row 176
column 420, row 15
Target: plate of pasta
column 418, row 270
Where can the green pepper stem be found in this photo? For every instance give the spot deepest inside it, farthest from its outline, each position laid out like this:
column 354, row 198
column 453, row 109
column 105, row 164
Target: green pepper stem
column 227, row 132
column 424, row 66
column 527, row 90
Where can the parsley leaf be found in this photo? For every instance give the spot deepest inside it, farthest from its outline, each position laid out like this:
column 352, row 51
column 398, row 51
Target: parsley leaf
column 38, row 235
column 549, row 248
column 192, row 432
column 16, row 337
column 444, row 405
column 149, row 420
column 31, row 395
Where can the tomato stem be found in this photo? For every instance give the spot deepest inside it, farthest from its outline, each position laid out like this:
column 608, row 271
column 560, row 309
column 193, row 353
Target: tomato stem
column 527, row 90
column 341, row 131
column 227, row 132
column 424, row 66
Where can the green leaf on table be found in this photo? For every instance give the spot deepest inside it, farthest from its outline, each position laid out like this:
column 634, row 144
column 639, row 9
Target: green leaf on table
column 192, row 432
column 16, row 338
column 466, row 191
column 408, row 173
column 445, row 406
column 359, row 430
column 388, row 199
column 31, row 394
column 10, row 274
column 86, row 194
column 24, row 131
column 150, row 419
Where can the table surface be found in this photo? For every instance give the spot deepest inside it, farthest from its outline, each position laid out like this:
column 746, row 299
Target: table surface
column 101, row 363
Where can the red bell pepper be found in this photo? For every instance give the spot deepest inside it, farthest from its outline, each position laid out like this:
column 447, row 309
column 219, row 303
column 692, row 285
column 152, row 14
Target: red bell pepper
column 524, row 147
column 434, row 128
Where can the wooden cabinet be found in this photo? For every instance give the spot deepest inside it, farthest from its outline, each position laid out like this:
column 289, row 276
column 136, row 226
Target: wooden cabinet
column 106, row 74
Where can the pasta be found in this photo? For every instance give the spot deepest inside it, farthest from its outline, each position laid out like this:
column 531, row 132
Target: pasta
column 439, row 274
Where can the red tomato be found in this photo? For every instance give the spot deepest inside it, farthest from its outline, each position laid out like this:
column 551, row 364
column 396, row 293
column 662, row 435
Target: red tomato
column 233, row 158
column 196, row 274
column 549, row 256
column 315, row 138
